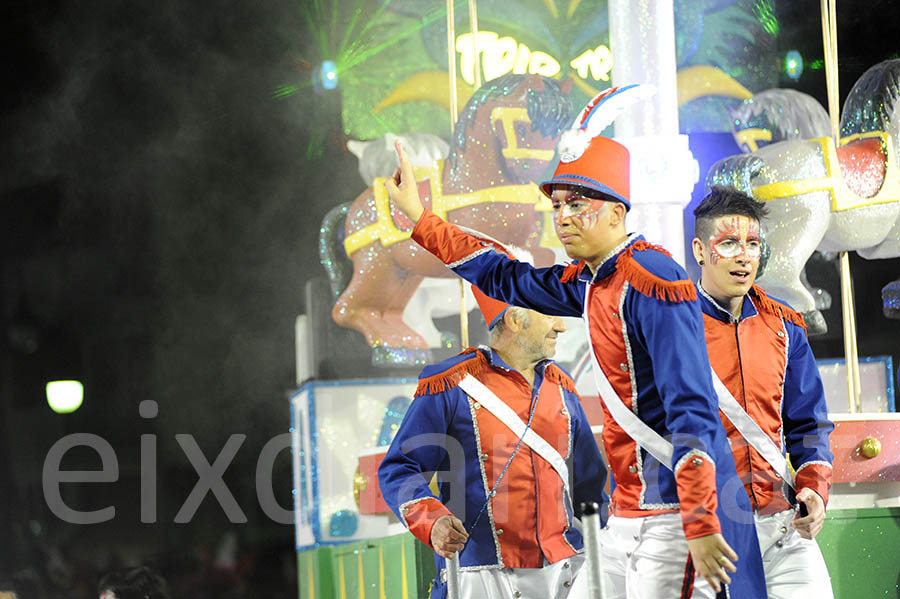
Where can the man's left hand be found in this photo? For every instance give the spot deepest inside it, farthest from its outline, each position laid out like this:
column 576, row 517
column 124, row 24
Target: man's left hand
column 810, row 525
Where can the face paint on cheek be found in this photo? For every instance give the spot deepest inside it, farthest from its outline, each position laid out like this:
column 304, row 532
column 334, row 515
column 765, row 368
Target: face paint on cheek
column 754, row 251
column 565, row 211
column 722, row 245
column 723, row 250
column 589, row 217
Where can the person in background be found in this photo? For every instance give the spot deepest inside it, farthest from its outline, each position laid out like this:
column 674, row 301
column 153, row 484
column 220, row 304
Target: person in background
column 133, row 583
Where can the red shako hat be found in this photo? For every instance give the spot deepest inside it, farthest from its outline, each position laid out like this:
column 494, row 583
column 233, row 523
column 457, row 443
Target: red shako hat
column 590, row 160
column 491, row 309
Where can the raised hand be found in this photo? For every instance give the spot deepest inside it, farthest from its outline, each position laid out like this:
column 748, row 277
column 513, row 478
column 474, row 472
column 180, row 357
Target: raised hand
column 402, row 187
column 712, row 556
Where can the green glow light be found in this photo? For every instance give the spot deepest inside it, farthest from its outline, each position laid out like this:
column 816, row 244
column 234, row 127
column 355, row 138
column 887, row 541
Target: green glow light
column 354, row 58
column 64, row 397
column 285, row 90
column 766, row 15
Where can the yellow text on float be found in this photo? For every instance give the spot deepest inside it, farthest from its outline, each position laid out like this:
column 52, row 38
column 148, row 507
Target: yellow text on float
column 501, row 55
column 597, row 61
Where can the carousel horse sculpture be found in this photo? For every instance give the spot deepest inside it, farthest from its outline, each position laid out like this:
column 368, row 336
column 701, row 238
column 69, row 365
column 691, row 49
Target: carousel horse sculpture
column 775, row 115
column 827, row 198
column 504, row 139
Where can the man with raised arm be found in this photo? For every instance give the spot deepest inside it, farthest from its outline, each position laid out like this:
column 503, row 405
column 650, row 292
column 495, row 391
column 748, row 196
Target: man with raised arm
column 758, row 350
column 505, row 431
column 675, row 508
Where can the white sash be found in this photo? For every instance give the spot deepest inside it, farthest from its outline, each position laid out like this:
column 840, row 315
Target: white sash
column 661, row 449
column 636, row 428
column 496, row 406
column 751, row 431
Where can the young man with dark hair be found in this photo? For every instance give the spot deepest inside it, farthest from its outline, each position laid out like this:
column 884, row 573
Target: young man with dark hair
column 758, row 350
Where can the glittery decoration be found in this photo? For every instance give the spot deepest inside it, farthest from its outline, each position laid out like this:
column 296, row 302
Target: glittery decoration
column 343, row 523
column 504, row 140
column 449, row 340
column 777, row 115
column 866, row 450
column 348, row 419
column 827, row 198
column 890, row 297
column 393, row 416
column 329, row 231
column 400, row 356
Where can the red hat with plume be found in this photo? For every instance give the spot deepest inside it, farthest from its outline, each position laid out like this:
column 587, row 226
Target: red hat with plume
column 588, row 159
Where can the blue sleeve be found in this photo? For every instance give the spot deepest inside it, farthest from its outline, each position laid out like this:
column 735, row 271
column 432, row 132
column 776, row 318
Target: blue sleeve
column 483, row 264
column 672, row 333
column 520, row 284
column 804, row 411
column 589, row 469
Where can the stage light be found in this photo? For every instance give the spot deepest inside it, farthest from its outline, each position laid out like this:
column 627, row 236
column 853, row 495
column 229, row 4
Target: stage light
column 793, row 64
column 326, row 75
column 65, row 397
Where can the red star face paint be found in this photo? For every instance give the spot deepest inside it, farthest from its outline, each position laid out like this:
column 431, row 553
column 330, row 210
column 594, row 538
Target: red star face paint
column 735, row 236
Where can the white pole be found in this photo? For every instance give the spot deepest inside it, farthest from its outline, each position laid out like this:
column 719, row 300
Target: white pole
column 590, row 518
column 453, row 576
column 663, row 171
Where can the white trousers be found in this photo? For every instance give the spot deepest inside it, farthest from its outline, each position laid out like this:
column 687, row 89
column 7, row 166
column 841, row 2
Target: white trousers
column 553, row 581
column 795, row 568
column 645, row 558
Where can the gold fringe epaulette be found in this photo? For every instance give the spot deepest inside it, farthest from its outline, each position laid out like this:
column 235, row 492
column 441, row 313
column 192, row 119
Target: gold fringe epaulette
column 647, row 283
column 766, row 304
column 571, row 271
column 555, row 374
column 450, row 378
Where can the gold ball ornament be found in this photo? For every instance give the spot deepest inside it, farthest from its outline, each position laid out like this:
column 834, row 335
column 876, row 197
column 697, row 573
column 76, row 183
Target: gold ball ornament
column 870, row 447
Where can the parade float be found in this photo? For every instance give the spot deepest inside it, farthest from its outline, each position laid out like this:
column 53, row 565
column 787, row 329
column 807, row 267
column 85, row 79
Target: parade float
column 480, row 97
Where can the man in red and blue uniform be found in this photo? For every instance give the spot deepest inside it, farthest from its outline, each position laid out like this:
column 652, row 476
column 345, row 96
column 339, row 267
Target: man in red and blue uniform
column 646, row 334
column 502, row 505
column 758, row 348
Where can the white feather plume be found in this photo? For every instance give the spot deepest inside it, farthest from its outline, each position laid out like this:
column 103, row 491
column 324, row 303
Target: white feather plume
column 574, row 142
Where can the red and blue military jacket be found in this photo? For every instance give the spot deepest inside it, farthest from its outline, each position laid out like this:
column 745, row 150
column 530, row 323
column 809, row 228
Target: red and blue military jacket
column 529, row 518
column 765, row 360
column 647, row 335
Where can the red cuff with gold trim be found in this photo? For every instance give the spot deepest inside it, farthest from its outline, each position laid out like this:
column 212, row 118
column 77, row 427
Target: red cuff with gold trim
column 696, row 482
column 816, row 477
column 420, row 516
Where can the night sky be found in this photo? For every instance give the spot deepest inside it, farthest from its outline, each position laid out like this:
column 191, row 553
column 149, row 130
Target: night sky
column 160, row 219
